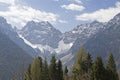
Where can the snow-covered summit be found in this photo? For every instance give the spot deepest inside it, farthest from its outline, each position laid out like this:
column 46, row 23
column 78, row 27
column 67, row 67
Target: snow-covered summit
column 82, row 31
column 41, row 33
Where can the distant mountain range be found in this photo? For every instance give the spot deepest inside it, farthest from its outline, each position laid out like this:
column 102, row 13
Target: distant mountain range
column 42, row 39
column 65, row 45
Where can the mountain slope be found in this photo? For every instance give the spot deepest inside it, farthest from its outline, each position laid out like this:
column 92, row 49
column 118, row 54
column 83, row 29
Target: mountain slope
column 6, row 29
column 106, row 41
column 93, row 36
column 79, row 36
column 11, row 58
column 41, row 33
column 46, row 38
column 82, row 31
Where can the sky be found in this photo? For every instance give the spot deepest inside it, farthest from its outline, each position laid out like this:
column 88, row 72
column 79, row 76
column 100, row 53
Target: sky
column 62, row 14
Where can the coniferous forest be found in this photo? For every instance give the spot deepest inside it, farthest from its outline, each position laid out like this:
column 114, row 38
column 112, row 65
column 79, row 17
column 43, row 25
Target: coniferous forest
column 84, row 68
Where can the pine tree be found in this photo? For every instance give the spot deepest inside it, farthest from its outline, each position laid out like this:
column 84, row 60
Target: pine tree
column 52, row 69
column 45, row 70
column 65, row 71
column 111, row 68
column 59, row 71
column 98, row 69
column 36, row 69
column 89, row 61
column 88, row 68
column 77, row 67
column 28, row 73
column 80, row 67
column 66, row 77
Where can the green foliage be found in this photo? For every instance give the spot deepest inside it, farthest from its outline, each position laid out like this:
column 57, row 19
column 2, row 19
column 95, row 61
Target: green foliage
column 66, row 77
column 52, row 69
column 36, row 69
column 65, row 71
column 59, row 71
column 45, row 70
column 88, row 61
column 88, row 67
column 82, row 69
column 28, row 73
column 98, row 69
column 111, row 68
column 78, row 62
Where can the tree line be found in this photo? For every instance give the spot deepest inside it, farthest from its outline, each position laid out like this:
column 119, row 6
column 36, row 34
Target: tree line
column 83, row 69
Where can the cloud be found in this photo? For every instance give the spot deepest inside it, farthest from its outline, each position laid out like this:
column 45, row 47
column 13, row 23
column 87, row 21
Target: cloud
column 78, row 1
column 73, row 7
column 19, row 15
column 11, row 2
column 101, row 15
column 118, row 4
column 62, row 21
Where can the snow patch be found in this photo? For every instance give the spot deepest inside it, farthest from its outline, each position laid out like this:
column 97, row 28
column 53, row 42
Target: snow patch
column 62, row 47
column 42, row 48
column 45, row 48
column 27, row 42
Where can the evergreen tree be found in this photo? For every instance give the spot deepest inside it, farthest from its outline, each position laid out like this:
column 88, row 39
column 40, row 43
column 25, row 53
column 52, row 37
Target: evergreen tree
column 66, row 77
column 36, row 69
column 111, row 68
column 98, row 69
column 28, row 73
column 45, row 70
column 88, row 61
column 80, row 66
column 52, row 69
column 65, row 71
column 88, row 68
column 59, row 71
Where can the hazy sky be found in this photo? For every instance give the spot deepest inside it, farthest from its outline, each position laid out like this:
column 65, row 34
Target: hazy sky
column 63, row 14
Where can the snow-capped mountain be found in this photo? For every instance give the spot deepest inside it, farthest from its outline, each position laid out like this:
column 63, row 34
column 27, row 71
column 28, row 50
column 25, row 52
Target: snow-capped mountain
column 104, row 41
column 46, row 38
column 41, row 33
column 6, row 29
column 82, row 32
column 85, row 32
column 79, row 36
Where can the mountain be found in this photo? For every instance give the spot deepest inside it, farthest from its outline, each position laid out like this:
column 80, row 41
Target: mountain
column 11, row 58
column 43, row 37
column 106, row 41
column 41, row 33
column 82, row 31
column 7, row 29
column 47, row 39
column 14, row 52
column 79, row 36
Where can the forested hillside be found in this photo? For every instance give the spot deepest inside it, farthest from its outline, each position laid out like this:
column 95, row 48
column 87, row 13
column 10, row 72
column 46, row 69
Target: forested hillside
column 84, row 68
